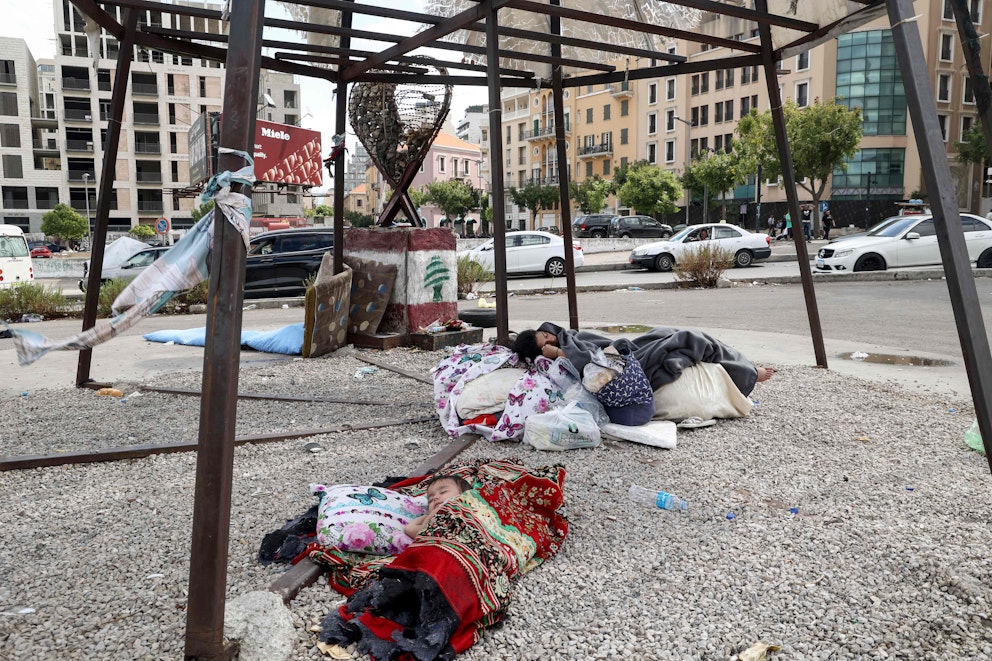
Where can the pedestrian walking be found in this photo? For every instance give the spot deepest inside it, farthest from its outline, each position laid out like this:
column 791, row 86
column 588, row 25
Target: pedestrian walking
column 806, row 212
column 788, row 225
column 743, row 213
column 828, row 224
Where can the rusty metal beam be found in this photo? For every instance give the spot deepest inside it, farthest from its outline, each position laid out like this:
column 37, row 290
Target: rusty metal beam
column 972, row 49
column 740, row 11
column 496, row 173
column 27, row 461
column 340, row 124
column 284, row 398
column 677, row 69
column 393, row 368
column 98, row 236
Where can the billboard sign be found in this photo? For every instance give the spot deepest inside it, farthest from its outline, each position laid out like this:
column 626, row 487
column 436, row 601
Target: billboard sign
column 287, row 154
column 200, row 150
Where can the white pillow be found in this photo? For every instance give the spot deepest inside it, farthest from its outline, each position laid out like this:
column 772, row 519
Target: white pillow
column 704, row 390
column 487, row 394
column 657, row 433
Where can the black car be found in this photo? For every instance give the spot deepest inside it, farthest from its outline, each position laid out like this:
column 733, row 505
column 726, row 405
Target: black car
column 639, row 226
column 595, row 226
column 279, row 262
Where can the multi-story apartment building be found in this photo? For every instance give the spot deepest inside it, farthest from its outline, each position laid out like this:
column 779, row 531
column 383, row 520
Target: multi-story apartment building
column 359, row 162
column 665, row 120
column 61, row 110
column 474, row 129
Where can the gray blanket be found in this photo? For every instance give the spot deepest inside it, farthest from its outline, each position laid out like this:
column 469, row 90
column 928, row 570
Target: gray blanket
column 663, row 353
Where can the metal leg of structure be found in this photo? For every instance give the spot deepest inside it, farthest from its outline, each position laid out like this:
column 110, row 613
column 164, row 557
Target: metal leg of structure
column 947, row 220
column 107, row 177
column 218, row 405
column 972, row 48
column 340, row 121
column 789, row 181
column 496, row 167
column 563, row 175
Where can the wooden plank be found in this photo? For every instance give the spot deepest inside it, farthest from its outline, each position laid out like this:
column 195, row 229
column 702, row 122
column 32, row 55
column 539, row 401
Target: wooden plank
column 392, row 368
column 20, row 462
column 285, row 398
column 306, row 572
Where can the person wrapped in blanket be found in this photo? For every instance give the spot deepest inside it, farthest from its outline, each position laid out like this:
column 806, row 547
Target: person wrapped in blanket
column 663, row 354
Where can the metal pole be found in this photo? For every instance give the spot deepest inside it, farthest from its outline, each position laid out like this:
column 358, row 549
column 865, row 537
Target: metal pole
column 496, row 166
column 868, row 203
column 86, row 192
column 563, row 175
column 947, row 222
column 688, row 160
column 789, row 179
column 222, row 353
column 340, row 119
column 757, row 194
column 98, row 239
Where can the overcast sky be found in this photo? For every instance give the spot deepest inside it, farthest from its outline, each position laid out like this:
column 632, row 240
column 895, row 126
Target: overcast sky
column 34, row 21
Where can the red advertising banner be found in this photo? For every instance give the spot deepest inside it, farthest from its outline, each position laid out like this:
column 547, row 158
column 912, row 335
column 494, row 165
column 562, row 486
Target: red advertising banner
column 287, row 154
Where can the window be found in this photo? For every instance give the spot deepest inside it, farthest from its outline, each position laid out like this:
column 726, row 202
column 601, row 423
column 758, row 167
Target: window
column 606, row 112
column 652, row 153
column 728, row 110
column 670, row 119
column 946, row 47
column 652, row 123
column 704, row 82
column 653, row 93
column 175, row 172
column 968, row 94
column 623, row 162
column 10, row 135
column 802, row 94
column 745, row 75
column 440, row 163
column 669, row 151
column 718, row 82
column 47, row 197
column 802, row 61
column 718, row 112
column 8, row 104
column 454, row 167
column 289, row 99
column 745, row 105
column 975, row 7
column 941, row 121
column 606, row 166
column 203, row 85
column 872, row 82
column 694, row 116
column 589, row 119
column 966, row 124
column 509, row 135
column 173, row 143
column 728, row 142
column 12, row 166
column 588, row 168
column 521, row 156
column 718, row 142
column 624, row 107
column 624, row 136
column 670, row 89
column 729, row 82
column 694, row 146
column 694, row 85
column 944, row 87
column 704, row 115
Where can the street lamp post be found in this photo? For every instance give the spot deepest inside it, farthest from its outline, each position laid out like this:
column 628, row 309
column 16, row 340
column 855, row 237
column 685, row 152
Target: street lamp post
column 688, row 157
column 86, row 194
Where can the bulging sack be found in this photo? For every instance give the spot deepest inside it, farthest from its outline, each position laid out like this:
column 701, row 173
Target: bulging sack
column 567, row 428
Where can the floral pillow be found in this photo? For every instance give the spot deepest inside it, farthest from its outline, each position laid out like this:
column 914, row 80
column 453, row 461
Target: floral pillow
column 364, row 519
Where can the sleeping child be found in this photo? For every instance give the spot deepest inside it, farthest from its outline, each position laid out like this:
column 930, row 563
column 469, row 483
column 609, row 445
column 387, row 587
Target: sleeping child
column 440, row 490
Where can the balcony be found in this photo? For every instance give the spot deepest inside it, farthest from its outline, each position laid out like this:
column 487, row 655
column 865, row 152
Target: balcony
column 11, row 202
column 523, row 182
column 152, row 206
column 79, row 145
column 144, row 89
column 48, row 144
column 77, row 175
column 146, row 118
column 149, row 178
column 605, row 149
column 73, row 115
column 621, row 90
column 147, row 148
column 75, row 84
column 8, row 78
column 543, row 133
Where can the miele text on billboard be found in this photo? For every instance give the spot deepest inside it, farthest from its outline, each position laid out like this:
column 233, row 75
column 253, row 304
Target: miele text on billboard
column 287, row 154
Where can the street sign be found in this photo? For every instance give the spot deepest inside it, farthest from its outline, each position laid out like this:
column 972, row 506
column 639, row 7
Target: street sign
column 162, row 225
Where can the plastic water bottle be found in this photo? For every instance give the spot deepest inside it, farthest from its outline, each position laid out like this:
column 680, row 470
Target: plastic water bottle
column 660, row 499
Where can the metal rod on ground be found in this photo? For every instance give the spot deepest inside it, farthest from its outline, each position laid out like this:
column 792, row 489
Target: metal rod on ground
column 563, row 174
column 496, row 168
column 340, row 120
column 222, row 353
column 947, row 221
column 789, row 180
column 98, row 239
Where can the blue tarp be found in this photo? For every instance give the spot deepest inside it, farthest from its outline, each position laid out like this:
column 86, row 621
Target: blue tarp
column 287, row 340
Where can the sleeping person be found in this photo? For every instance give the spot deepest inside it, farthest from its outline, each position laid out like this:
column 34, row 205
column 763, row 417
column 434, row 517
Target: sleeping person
column 440, row 490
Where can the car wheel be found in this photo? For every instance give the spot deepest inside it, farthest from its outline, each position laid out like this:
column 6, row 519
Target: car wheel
column 555, row 267
column 985, row 260
column 664, row 262
column 743, row 258
column 597, row 234
column 870, row 262
column 625, row 235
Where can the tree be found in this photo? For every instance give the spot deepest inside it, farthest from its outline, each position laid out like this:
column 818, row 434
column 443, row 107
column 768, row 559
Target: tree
column 201, row 210
column 649, row 189
column 590, row 195
column 63, row 222
column 359, row 219
column 823, row 137
column 141, row 232
column 972, row 149
column 320, row 210
column 419, row 197
column 535, row 198
column 453, row 197
column 716, row 172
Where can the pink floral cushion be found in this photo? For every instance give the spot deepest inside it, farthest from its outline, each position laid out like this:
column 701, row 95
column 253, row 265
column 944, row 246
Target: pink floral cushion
column 364, row 519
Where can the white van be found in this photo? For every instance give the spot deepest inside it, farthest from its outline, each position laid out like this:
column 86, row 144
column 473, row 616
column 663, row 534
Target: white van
column 15, row 258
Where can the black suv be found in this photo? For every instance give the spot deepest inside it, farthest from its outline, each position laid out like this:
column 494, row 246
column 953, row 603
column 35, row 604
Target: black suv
column 596, row 226
column 639, row 226
column 280, row 262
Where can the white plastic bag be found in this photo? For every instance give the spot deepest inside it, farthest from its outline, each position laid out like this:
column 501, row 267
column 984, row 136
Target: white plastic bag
column 566, row 378
column 566, row 428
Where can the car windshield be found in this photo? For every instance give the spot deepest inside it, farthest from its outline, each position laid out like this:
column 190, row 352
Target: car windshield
column 682, row 233
column 897, row 226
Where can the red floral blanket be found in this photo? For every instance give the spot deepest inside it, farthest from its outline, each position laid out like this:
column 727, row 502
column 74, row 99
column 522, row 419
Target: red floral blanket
column 434, row 599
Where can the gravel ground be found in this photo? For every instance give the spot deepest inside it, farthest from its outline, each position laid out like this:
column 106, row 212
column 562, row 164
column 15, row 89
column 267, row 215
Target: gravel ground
column 886, row 557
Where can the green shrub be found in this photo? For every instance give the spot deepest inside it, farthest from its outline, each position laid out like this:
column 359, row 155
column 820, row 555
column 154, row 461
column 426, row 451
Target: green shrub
column 33, row 298
column 179, row 304
column 109, row 291
column 703, row 266
column 471, row 273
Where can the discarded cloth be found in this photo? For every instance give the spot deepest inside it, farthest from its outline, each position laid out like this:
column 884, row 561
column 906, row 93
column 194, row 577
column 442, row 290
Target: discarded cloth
column 286, row 340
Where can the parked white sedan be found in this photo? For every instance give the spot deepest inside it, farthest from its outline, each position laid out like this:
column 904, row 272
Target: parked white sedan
column 910, row 241
column 528, row 252
column 663, row 255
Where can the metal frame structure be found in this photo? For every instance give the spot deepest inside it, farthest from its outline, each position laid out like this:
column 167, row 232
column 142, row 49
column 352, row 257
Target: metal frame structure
column 342, row 65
